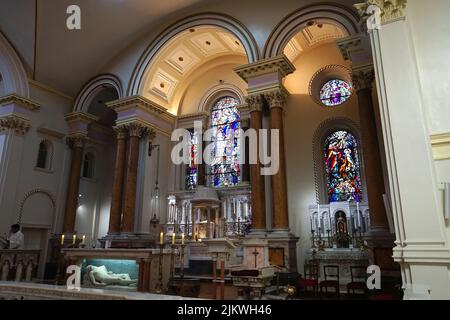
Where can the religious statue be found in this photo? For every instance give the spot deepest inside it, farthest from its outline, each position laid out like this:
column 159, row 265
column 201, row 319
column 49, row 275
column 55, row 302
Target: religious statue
column 101, row 277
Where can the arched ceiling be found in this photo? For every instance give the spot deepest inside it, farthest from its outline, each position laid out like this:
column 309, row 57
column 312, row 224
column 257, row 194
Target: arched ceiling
column 184, row 57
column 313, row 36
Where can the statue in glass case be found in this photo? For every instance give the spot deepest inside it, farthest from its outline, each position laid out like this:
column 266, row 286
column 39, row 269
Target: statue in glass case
column 101, row 277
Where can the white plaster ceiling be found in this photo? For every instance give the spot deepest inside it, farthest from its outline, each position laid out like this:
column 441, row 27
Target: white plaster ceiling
column 312, row 37
column 178, row 59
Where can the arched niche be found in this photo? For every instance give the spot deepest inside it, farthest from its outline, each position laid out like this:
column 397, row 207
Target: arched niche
column 37, row 209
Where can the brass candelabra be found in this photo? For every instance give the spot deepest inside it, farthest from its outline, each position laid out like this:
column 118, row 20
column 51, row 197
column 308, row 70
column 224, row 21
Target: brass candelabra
column 159, row 285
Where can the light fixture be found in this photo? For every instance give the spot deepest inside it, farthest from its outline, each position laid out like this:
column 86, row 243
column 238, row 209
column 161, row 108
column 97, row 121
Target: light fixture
column 155, row 197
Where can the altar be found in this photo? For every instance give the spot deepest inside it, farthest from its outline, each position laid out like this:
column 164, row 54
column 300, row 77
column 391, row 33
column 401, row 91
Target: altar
column 344, row 259
column 121, row 269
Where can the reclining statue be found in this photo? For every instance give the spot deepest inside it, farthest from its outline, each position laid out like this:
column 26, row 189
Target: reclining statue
column 101, row 277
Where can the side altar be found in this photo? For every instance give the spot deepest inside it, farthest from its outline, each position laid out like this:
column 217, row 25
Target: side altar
column 121, row 269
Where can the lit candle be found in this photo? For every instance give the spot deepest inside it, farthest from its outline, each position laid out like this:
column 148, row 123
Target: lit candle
column 74, row 239
column 84, row 240
column 182, row 238
column 173, row 238
column 161, row 238
column 62, row 239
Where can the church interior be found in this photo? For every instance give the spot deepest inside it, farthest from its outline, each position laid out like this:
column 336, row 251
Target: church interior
column 314, row 138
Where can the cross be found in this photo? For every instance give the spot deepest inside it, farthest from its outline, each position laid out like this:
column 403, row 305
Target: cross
column 255, row 253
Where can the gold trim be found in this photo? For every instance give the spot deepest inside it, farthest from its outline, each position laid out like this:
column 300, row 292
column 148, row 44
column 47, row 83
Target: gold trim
column 441, row 146
column 80, row 117
column 24, row 102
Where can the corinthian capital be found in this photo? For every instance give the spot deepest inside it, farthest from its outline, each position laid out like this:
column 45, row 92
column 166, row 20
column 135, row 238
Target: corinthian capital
column 136, row 129
column 76, row 141
column 384, row 10
column 14, row 124
column 363, row 78
column 276, row 98
column 121, row 132
column 255, row 102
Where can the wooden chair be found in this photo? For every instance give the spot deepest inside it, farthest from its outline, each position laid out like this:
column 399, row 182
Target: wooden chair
column 311, row 277
column 358, row 280
column 331, row 275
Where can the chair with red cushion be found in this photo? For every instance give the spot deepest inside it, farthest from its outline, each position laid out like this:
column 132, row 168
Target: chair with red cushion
column 331, row 275
column 311, row 278
column 358, row 280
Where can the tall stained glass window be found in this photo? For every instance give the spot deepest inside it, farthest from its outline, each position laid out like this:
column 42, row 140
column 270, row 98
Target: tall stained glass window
column 225, row 122
column 335, row 92
column 342, row 167
column 191, row 170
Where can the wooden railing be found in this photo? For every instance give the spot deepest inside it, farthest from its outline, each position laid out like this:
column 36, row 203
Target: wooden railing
column 18, row 265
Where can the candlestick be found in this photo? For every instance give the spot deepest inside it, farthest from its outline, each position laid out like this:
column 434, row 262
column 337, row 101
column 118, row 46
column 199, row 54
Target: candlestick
column 161, row 238
column 62, row 240
column 74, row 239
column 182, row 238
column 173, row 238
column 182, row 261
column 357, row 214
column 83, row 242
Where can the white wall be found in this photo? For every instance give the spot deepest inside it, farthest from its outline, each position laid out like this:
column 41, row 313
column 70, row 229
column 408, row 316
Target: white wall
column 302, row 118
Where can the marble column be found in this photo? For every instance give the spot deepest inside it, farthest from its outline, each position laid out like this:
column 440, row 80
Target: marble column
column 119, row 174
column 279, row 189
column 77, row 145
column 258, row 200
column 135, row 132
column 362, row 82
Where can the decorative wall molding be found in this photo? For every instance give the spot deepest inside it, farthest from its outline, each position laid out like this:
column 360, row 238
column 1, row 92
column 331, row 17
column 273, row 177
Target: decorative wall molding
column 441, row 146
column 50, row 133
column 20, row 101
column 135, row 86
column 280, row 64
column 31, row 193
column 391, row 10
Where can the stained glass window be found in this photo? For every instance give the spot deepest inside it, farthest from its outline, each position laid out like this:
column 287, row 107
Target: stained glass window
column 225, row 122
column 335, row 92
column 342, row 167
column 191, row 170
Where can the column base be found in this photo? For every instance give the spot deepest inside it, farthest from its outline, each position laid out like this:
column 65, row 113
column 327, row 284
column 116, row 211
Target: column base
column 128, row 241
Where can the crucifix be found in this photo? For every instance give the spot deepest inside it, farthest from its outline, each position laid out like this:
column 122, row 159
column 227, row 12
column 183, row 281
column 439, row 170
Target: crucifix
column 255, row 253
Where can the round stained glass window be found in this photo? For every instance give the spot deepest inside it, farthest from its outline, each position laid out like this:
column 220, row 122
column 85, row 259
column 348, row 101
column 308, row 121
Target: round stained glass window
column 335, row 92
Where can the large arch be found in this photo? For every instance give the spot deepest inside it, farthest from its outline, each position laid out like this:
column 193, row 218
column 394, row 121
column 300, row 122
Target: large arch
column 203, row 19
column 340, row 15
column 93, row 87
column 13, row 76
column 47, row 195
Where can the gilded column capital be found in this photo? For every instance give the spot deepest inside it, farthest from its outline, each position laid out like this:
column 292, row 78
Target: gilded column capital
column 255, row 102
column 383, row 11
column 136, row 129
column 121, row 131
column 363, row 78
column 14, row 123
column 76, row 141
column 276, row 98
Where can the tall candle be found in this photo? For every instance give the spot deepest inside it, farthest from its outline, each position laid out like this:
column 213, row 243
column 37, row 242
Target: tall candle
column 173, row 238
column 62, row 239
column 74, row 239
column 182, row 238
column 161, row 238
column 84, row 240
column 357, row 214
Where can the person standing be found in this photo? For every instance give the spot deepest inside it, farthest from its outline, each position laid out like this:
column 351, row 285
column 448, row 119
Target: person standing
column 16, row 238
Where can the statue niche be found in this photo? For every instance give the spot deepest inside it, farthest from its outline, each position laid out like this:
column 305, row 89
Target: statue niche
column 342, row 236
